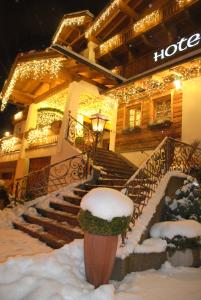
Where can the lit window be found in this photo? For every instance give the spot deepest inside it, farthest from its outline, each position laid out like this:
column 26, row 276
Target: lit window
column 134, row 117
column 162, row 109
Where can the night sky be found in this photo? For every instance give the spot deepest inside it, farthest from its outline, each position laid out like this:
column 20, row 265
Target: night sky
column 30, row 24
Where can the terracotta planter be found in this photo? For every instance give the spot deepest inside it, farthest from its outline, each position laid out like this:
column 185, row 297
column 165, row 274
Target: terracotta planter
column 99, row 257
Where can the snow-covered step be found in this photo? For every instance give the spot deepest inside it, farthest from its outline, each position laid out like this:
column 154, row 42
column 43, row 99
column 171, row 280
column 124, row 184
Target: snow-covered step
column 72, row 199
column 58, row 215
column 59, row 229
column 80, row 192
column 116, row 187
column 67, row 207
column 38, row 232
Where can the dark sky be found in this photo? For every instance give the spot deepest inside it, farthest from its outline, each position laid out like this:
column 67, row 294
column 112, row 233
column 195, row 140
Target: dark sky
column 30, row 24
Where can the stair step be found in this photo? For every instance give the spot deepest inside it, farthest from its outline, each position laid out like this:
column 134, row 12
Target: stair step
column 93, row 186
column 108, row 171
column 80, row 192
column 61, row 230
column 72, row 199
column 137, row 198
column 59, row 216
column 111, row 181
column 108, row 166
column 114, row 162
column 112, row 175
column 67, row 207
column 45, row 237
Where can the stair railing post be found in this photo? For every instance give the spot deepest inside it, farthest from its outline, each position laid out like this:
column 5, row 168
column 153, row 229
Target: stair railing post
column 169, row 154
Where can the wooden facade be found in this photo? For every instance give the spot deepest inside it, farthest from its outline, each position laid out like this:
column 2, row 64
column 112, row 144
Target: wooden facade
column 148, row 136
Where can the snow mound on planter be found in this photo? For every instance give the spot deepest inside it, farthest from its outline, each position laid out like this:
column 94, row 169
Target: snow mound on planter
column 106, row 203
column 170, row 229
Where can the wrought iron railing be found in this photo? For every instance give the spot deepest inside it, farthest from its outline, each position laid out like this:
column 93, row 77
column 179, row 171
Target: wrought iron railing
column 52, row 177
column 81, row 136
column 170, row 155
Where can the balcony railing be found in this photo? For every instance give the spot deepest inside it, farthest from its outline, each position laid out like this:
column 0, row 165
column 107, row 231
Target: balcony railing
column 41, row 136
column 9, row 145
column 143, row 25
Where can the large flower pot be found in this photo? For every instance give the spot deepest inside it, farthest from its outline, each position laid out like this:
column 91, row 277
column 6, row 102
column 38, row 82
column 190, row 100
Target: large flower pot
column 99, row 256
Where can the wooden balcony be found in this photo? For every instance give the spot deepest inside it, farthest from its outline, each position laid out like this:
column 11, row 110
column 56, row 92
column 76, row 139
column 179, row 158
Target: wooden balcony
column 143, row 25
column 9, row 145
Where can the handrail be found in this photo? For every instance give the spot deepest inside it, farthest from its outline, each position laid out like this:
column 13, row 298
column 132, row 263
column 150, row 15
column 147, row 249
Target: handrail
column 80, row 136
column 52, row 177
column 170, row 155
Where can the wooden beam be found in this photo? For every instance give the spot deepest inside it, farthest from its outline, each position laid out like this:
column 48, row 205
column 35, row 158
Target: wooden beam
column 128, row 10
column 51, row 92
column 18, row 96
column 91, row 81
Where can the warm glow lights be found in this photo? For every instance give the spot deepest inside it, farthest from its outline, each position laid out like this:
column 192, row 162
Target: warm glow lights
column 46, row 116
column 158, row 83
column 89, row 104
column 110, row 44
column 8, row 144
column 103, row 17
column 177, row 84
column 69, row 22
column 58, row 100
column 183, row 3
column 148, row 21
column 18, row 116
column 7, row 134
column 34, row 69
column 140, row 26
column 38, row 135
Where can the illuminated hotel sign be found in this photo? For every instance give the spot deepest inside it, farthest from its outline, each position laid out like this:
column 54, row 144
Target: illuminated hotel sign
column 180, row 46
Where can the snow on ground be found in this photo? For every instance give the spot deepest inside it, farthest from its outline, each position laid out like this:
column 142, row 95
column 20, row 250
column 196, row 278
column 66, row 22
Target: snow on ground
column 14, row 242
column 59, row 275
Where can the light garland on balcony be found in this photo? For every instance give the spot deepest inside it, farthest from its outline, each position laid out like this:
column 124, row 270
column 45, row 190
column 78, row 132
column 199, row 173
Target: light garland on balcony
column 150, row 86
column 99, row 22
column 8, row 144
column 34, row 69
column 140, row 26
column 183, row 3
column 38, row 135
column 110, row 44
column 69, row 22
column 47, row 116
column 148, row 21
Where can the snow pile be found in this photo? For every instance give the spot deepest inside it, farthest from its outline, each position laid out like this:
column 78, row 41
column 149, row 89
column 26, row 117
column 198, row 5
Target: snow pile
column 59, row 275
column 153, row 245
column 106, row 203
column 170, row 229
column 142, row 222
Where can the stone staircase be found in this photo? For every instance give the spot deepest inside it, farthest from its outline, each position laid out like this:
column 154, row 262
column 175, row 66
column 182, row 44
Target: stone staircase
column 58, row 224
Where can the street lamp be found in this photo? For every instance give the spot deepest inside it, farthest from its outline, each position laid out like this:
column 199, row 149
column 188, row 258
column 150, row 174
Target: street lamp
column 98, row 122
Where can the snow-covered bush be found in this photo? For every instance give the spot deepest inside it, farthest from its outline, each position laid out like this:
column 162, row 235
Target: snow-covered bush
column 105, row 211
column 186, row 204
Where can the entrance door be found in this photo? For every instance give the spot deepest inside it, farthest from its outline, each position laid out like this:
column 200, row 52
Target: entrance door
column 37, row 184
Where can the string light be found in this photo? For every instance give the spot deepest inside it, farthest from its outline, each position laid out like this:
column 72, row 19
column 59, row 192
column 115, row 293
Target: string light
column 140, row 26
column 9, row 144
column 38, row 135
column 90, row 104
column 183, row 3
column 69, row 22
column 34, row 69
column 103, row 17
column 56, row 101
column 158, row 83
column 47, row 116
column 148, row 21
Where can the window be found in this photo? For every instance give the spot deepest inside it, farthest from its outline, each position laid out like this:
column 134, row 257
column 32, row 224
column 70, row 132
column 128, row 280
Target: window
column 135, row 117
column 162, row 109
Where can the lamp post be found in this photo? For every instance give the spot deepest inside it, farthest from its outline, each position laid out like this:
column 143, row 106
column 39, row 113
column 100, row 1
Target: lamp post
column 98, row 122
